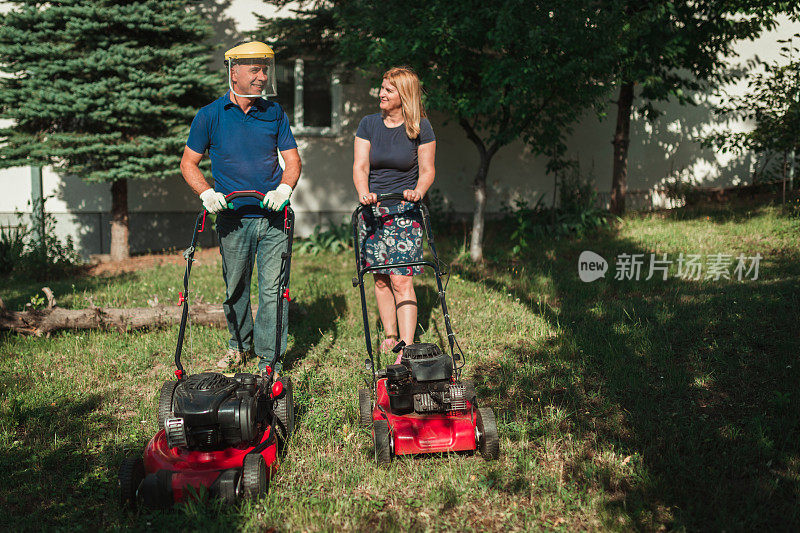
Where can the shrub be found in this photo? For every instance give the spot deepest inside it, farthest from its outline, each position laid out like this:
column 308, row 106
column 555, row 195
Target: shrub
column 526, row 222
column 578, row 213
column 12, row 246
column 21, row 251
column 335, row 239
column 443, row 216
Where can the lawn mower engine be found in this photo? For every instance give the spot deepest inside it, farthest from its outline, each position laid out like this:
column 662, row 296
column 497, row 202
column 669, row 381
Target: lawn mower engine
column 423, row 382
column 212, row 411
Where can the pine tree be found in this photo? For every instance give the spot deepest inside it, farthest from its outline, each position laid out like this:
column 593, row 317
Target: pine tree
column 103, row 89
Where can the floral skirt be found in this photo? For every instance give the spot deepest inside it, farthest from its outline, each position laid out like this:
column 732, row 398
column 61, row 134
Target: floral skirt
column 391, row 234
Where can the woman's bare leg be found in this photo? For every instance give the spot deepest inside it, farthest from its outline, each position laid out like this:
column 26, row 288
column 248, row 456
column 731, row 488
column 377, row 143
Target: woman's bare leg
column 386, row 305
column 406, row 304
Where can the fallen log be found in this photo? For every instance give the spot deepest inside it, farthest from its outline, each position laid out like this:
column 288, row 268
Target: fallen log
column 44, row 321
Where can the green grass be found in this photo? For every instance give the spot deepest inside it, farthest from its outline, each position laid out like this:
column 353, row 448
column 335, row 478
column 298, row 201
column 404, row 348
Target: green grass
column 622, row 405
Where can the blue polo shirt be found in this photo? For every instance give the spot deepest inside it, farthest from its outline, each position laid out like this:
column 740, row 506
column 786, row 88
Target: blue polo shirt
column 243, row 147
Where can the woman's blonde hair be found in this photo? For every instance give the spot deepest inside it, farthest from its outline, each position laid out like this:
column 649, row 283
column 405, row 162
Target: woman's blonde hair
column 407, row 84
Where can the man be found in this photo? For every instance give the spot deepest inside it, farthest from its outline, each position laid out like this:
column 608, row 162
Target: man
column 243, row 134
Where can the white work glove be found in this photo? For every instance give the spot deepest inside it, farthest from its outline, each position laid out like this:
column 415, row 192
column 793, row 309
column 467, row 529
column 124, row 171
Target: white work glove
column 213, row 201
column 278, row 198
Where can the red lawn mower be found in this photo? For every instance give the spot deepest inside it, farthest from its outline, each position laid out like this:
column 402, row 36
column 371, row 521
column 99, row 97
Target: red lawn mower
column 420, row 405
column 217, row 434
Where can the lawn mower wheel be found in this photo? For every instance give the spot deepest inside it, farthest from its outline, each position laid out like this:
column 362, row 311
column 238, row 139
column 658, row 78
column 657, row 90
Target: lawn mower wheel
column 131, row 474
column 364, row 408
column 227, row 487
column 382, row 441
column 284, row 410
column 489, row 442
column 165, row 402
column 254, row 476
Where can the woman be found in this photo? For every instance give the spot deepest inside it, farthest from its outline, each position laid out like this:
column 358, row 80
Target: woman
column 394, row 153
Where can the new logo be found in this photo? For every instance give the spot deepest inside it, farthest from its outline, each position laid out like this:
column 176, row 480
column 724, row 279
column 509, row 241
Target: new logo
column 591, row 266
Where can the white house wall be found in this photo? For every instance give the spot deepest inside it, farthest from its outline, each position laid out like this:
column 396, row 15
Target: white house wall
column 162, row 211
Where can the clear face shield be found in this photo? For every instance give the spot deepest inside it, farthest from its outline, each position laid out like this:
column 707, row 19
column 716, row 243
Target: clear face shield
column 254, row 76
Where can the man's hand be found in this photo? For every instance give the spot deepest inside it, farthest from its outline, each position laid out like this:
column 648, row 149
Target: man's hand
column 278, row 199
column 213, row 201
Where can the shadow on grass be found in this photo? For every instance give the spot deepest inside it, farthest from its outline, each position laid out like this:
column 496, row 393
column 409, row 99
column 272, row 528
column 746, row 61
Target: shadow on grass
column 61, row 463
column 693, row 383
column 427, row 304
column 308, row 330
column 18, row 289
column 52, row 475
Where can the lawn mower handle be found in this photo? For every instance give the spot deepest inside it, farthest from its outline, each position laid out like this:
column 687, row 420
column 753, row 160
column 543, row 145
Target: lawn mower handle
column 245, row 194
column 399, row 196
column 392, row 196
column 358, row 281
column 248, row 194
column 283, row 282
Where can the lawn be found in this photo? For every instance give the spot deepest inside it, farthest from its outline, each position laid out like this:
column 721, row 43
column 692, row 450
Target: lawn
column 621, row 404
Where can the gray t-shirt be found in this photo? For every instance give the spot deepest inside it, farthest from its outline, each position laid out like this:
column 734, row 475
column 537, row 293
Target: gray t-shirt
column 393, row 163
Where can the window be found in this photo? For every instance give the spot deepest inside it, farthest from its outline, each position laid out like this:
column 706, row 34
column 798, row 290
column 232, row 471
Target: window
column 311, row 96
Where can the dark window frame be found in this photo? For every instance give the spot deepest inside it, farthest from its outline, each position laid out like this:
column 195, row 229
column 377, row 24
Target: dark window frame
column 297, row 114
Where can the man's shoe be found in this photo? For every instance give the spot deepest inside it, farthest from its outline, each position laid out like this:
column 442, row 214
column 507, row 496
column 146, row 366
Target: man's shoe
column 233, row 357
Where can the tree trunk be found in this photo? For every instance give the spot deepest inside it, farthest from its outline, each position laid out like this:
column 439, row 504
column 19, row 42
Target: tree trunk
column 44, row 321
column 479, row 190
column 619, row 178
column 783, row 194
column 119, row 220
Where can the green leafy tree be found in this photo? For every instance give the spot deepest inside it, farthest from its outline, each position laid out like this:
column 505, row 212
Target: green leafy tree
column 672, row 49
column 309, row 30
column 102, row 89
column 503, row 69
column 772, row 103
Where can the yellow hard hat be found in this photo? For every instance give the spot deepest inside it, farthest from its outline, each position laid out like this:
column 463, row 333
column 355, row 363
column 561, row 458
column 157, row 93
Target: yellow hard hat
column 251, row 50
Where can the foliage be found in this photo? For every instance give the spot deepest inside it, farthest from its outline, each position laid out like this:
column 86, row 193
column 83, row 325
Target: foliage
column 21, row 251
column 681, row 192
column 525, row 222
column 103, row 89
column 503, row 69
column 577, row 215
column 335, row 239
column 12, row 245
column 576, row 193
column 772, row 103
column 579, row 211
column 581, row 223
column 443, row 216
column 675, row 48
column 310, row 31
column 671, row 50
column 792, row 207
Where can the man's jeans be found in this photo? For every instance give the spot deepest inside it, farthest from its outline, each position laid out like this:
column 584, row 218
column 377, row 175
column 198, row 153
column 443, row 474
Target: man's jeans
column 244, row 242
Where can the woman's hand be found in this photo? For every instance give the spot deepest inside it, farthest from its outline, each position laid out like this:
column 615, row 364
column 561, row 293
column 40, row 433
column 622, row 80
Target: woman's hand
column 412, row 195
column 368, row 198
